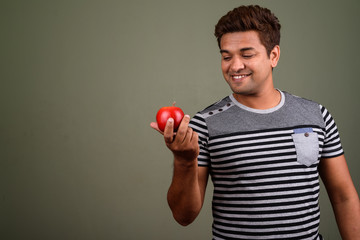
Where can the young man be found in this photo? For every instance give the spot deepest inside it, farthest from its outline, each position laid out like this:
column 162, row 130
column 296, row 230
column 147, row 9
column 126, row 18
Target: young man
column 263, row 148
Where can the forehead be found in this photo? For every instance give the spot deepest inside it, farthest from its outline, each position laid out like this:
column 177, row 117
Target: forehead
column 239, row 40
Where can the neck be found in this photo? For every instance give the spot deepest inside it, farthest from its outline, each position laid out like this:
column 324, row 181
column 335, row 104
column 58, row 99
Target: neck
column 263, row 100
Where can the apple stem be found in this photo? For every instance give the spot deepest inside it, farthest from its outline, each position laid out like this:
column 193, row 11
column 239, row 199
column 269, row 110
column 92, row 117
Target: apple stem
column 174, row 104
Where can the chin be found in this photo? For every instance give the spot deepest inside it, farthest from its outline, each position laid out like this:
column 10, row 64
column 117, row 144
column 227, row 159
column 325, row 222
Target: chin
column 244, row 92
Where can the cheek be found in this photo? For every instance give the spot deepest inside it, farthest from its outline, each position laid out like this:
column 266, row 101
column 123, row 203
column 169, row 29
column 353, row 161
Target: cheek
column 224, row 67
column 257, row 67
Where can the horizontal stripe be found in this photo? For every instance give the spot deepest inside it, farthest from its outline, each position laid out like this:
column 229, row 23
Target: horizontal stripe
column 265, row 205
column 270, row 211
column 309, row 236
column 283, row 226
column 291, row 167
column 250, row 223
column 253, row 145
column 269, row 176
column 263, row 183
column 270, row 193
column 238, row 197
column 263, row 132
column 254, row 151
column 262, row 219
column 295, row 233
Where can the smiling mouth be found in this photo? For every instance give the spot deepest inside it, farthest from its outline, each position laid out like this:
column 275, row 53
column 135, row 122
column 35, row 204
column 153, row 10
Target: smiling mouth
column 240, row 76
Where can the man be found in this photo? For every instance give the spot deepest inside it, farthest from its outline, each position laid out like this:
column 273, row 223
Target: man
column 263, row 148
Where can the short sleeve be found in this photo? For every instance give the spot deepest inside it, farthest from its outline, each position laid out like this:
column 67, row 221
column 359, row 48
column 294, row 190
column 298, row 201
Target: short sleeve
column 198, row 124
column 332, row 145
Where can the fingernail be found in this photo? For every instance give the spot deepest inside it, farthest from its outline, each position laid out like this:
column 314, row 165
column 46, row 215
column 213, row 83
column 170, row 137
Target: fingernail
column 187, row 116
column 171, row 120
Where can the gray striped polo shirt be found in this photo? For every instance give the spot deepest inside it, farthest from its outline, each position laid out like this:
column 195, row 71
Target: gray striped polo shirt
column 263, row 164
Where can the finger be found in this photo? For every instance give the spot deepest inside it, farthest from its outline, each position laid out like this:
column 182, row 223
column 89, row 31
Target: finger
column 195, row 137
column 182, row 130
column 155, row 126
column 169, row 131
column 189, row 134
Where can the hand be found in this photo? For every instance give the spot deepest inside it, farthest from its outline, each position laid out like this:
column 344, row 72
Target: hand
column 183, row 143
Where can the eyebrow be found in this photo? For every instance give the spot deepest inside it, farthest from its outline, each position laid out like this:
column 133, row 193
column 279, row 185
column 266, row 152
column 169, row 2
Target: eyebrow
column 241, row 50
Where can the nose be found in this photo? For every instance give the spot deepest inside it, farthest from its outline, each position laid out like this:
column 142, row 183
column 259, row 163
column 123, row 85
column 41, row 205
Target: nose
column 237, row 64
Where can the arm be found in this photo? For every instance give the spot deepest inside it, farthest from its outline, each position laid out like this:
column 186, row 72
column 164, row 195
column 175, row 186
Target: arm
column 187, row 190
column 343, row 196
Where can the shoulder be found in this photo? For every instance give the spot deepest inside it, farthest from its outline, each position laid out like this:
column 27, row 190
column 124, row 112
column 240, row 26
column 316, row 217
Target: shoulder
column 306, row 103
column 308, row 108
column 293, row 99
column 303, row 105
column 216, row 107
column 199, row 121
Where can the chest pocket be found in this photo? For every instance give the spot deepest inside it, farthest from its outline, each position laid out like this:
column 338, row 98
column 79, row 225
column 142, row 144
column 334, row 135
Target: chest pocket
column 307, row 147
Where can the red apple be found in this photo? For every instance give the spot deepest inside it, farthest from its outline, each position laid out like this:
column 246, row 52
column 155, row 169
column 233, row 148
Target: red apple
column 165, row 113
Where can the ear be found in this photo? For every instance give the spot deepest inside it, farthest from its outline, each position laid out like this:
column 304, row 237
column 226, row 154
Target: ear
column 275, row 56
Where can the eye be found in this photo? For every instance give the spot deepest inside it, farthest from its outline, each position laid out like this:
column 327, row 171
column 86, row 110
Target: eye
column 247, row 56
column 226, row 58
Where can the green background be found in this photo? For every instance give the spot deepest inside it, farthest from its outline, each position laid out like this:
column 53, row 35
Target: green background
column 82, row 80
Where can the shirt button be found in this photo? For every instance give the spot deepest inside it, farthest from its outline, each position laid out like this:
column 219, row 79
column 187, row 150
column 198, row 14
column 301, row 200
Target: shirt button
column 306, row 134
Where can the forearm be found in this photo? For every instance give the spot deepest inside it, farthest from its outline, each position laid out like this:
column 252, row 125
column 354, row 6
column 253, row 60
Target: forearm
column 184, row 195
column 347, row 213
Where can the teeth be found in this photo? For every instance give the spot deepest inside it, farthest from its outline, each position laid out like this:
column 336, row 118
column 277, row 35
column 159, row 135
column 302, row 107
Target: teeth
column 239, row 77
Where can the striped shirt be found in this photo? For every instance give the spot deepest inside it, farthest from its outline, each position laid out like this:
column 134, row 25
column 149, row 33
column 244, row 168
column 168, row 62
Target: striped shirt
column 263, row 164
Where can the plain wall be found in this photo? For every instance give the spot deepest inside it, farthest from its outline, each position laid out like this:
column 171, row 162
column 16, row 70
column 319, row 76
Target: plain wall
column 80, row 81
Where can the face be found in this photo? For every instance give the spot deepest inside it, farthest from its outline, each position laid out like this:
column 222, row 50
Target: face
column 245, row 64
